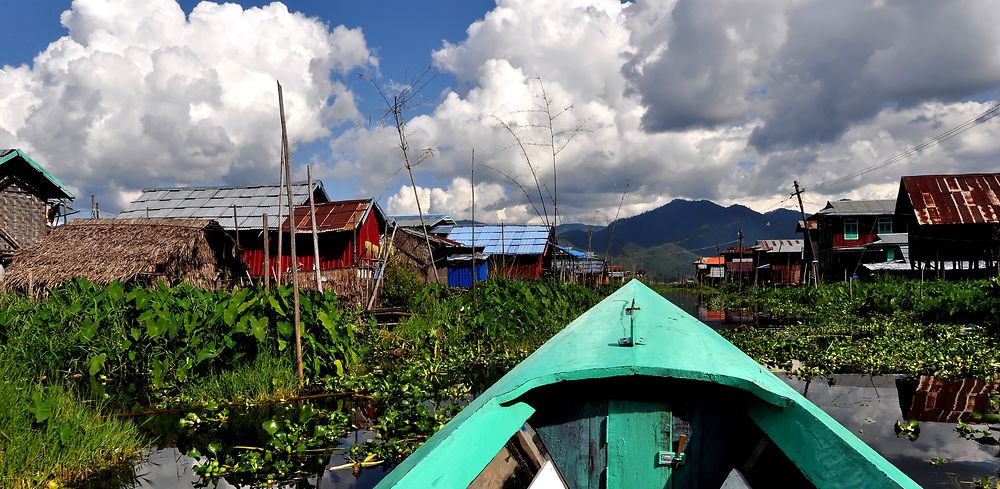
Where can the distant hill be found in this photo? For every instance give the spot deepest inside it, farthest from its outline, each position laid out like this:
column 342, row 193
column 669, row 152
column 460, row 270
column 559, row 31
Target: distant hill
column 663, row 234
column 575, row 226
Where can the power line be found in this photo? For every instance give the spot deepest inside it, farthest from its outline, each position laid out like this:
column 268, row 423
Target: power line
column 988, row 114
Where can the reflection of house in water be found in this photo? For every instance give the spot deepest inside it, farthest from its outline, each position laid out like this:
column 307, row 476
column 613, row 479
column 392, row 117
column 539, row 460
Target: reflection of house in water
column 935, row 399
column 718, row 318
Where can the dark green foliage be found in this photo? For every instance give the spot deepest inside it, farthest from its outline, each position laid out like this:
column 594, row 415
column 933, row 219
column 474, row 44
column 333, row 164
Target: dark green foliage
column 401, row 286
column 503, row 311
column 134, row 338
column 936, row 328
column 177, row 346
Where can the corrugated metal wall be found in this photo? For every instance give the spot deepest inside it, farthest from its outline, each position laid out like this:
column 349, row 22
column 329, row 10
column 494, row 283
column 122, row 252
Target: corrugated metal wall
column 337, row 250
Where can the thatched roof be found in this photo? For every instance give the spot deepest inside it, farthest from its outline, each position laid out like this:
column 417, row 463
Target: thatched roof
column 104, row 250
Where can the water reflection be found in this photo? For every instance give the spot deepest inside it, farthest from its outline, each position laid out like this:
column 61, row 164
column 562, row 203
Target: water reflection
column 697, row 305
column 167, row 467
column 935, row 399
column 870, row 406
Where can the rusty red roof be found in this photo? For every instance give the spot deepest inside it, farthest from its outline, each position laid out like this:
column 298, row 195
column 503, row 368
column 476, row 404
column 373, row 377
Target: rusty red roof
column 970, row 198
column 343, row 215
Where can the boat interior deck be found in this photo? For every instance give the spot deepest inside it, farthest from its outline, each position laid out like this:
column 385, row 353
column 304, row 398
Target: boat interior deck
column 640, row 431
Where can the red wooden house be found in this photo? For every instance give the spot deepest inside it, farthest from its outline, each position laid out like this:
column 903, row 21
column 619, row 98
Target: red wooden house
column 349, row 233
column 239, row 210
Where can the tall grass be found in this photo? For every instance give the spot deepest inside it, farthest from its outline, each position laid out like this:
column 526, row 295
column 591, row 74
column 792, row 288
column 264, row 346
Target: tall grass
column 49, row 435
column 266, row 378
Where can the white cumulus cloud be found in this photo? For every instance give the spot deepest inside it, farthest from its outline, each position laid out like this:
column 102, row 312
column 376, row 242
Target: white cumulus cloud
column 138, row 93
column 728, row 101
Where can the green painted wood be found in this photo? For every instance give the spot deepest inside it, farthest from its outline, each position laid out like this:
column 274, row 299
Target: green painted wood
column 52, row 178
column 828, row 454
column 455, row 461
column 637, row 430
column 676, row 346
column 574, row 438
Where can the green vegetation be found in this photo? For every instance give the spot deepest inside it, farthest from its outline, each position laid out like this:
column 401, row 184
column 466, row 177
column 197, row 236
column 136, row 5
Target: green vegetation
column 225, row 357
column 218, row 365
column 49, row 433
column 938, row 328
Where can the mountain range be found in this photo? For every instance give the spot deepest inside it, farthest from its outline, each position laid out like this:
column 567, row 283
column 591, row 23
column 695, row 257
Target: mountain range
column 666, row 240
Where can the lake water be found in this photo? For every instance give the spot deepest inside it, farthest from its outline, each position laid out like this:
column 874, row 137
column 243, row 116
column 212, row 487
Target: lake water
column 867, row 406
column 870, row 406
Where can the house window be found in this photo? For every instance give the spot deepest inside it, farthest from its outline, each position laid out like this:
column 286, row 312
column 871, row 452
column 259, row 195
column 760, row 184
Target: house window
column 890, row 255
column 850, row 228
column 884, row 225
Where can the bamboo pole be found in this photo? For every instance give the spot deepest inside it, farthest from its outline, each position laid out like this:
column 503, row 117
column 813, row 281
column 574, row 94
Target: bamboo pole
column 291, row 236
column 267, row 254
column 281, row 185
column 385, row 262
column 475, row 276
column 315, row 232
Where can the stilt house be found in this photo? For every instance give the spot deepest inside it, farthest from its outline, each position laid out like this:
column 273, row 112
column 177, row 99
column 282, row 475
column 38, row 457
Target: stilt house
column 954, row 223
column 30, row 201
column 515, row 251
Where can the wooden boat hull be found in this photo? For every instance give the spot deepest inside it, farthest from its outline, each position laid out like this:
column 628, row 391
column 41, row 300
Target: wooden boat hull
column 637, row 393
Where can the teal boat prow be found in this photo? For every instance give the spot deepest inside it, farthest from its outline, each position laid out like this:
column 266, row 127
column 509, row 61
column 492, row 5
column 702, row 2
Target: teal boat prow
column 637, row 393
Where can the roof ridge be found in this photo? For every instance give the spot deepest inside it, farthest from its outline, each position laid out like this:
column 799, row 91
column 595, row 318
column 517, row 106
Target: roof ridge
column 227, row 187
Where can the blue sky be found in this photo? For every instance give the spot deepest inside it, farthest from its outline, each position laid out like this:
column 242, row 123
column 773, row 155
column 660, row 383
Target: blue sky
column 402, row 34
column 726, row 101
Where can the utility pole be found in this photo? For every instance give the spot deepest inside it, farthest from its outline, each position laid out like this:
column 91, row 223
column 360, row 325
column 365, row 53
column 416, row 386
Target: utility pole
column 809, row 242
column 739, row 240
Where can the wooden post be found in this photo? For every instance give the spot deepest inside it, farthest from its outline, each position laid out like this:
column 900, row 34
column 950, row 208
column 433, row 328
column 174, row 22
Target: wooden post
column 503, row 251
column 267, row 254
column 93, row 206
column 291, row 237
column 236, row 225
column 475, row 276
column 278, row 272
column 315, row 232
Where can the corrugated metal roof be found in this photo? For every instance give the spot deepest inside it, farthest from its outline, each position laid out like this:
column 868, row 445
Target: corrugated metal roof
column 859, row 207
column 432, row 238
column 573, row 252
column 972, row 198
column 430, row 220
column 893, row 238
column 342, row 215
column 217, row 203
column 780, row 245
column 505, row 239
